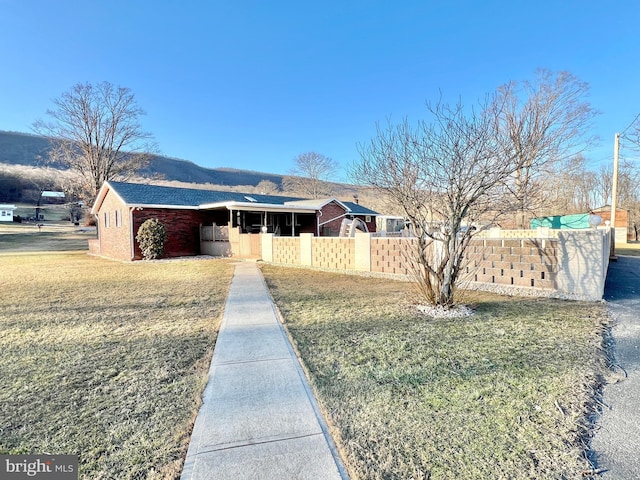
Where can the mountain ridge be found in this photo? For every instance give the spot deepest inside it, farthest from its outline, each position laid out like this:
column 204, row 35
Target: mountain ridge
column 20, row 148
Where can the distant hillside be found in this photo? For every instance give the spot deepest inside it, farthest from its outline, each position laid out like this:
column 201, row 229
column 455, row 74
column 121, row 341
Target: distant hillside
column 22, row 157
column 22, row 148
column 31, row 150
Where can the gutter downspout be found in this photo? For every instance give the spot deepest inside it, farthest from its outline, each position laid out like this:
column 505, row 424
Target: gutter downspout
column 131, row 237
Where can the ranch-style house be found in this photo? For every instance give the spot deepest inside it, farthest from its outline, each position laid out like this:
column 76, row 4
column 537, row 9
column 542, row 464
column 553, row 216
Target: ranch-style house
column 213, row 222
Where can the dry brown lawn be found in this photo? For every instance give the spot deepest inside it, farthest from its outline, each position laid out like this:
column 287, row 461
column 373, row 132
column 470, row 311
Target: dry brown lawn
column 503, row 394
column 106, row 360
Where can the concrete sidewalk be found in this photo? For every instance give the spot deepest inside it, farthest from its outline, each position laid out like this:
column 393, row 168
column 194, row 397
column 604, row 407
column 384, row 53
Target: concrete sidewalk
column 259, row 419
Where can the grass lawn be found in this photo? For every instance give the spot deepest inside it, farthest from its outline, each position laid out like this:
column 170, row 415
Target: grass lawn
column 503, row 394
column 104, row 359
column 27, row 237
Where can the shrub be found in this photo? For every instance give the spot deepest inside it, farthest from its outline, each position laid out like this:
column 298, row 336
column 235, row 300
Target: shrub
column 152, row 236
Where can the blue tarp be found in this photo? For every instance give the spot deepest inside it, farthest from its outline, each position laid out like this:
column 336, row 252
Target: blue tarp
column 562, row 222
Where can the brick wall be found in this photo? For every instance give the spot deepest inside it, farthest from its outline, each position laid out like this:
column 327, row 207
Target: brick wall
column 337, row 213
column 183, row 229
column 333, row 252
column 389, row 255
column 286, row 250
column 509, row 261
column 113, row 221
column 574, row 264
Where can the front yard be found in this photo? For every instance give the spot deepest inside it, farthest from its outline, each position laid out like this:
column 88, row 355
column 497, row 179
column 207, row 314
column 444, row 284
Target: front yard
column 503, row 394
column 106, row 360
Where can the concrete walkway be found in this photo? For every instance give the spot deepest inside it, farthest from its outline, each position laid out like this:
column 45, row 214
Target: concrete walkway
column 259, row 419
column 616, row 443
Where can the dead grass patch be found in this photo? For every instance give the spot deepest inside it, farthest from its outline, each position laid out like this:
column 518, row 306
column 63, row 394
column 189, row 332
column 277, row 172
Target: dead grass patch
column 502, row 394
column 106, row 360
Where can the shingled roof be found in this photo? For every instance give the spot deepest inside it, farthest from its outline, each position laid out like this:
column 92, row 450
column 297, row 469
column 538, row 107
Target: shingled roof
column 137, row 194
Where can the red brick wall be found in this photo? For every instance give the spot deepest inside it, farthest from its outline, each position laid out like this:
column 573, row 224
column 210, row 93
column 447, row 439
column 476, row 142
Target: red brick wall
column 332, row 228
column 183, row 229
column 115, row 230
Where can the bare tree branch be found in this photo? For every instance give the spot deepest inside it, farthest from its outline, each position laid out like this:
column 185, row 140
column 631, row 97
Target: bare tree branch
column 545, row 122
column 95, row 131
column 311, row 175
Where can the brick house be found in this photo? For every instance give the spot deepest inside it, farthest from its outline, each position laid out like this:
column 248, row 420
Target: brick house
column 120, row 208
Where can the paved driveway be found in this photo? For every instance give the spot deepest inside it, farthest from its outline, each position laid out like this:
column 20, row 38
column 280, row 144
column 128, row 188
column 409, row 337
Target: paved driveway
column 617, row 440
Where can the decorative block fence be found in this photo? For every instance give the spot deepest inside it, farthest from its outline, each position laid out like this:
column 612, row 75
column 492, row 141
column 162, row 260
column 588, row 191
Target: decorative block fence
column 567, row 264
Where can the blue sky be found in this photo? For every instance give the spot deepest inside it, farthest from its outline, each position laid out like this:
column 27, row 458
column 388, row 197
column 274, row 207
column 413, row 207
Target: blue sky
column 252, row 84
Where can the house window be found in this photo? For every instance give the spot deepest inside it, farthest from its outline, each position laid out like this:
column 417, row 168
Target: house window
column 106, row 219
column 368, row 218
column 118, row 218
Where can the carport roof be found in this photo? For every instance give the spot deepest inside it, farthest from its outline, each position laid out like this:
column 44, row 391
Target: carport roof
column 138, row 194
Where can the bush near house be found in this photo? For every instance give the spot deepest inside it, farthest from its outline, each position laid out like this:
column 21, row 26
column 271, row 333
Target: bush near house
column 152, row 237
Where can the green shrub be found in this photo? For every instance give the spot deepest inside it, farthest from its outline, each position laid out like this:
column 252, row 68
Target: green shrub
column 152, row 236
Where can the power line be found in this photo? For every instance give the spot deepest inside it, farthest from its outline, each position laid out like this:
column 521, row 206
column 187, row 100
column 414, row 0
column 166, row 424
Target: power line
column 629, row 126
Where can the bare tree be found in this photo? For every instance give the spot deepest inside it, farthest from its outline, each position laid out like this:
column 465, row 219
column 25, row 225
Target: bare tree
column 448, row 175
column 545, row 122
column 569, row 188
column 311, row 175
column 267, row 187
column 95, row 131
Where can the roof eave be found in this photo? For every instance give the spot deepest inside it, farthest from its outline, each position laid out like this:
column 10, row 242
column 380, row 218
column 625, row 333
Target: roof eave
column 260, row 207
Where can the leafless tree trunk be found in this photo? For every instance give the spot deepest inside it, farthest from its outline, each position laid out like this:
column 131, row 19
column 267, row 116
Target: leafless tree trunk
column 95, row 131
column 311, row 175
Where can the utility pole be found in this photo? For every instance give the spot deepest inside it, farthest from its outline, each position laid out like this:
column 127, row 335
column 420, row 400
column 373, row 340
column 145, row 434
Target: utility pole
column 614, row 195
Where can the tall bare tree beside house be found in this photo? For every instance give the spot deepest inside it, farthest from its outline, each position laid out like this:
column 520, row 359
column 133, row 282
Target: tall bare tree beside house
column 545, row 122
column 95, row 131
column 311, row 175
column 447, row 174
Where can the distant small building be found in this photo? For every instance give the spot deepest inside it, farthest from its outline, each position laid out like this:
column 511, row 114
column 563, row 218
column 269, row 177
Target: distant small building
column 6, row 213
column 52, row 197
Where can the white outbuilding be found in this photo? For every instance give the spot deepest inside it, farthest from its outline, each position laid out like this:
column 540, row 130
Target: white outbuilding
column 6, row 212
